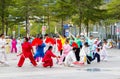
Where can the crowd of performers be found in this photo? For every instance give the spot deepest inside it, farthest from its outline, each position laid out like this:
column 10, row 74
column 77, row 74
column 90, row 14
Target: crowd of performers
column 68, row 51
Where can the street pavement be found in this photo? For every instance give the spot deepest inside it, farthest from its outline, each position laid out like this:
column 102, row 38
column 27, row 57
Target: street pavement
column 104, row 70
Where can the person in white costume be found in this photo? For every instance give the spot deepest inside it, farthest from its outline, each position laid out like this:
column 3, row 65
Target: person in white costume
column 70, row 58
column 104, row 53
column 85, row 54
column 19, row 48
column 2, row 50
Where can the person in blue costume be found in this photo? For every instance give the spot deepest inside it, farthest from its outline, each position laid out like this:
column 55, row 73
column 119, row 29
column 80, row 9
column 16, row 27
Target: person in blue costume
column 40, row 50
column 90, row 41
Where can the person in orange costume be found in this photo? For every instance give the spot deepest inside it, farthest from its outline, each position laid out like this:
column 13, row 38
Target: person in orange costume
column 47, row 60
column 26, row 53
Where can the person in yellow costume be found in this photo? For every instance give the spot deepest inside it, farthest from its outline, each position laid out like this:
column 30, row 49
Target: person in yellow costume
column 111, row 44
column 8, row 41
column 63, row 40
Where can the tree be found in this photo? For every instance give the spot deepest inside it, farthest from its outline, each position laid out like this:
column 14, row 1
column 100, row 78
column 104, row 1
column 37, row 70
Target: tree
column 62, row 11
column 4, row 12
column 113, row 9
column 26, row 9
column 87, row 11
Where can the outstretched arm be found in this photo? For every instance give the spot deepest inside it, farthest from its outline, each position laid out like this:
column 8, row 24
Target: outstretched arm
column 72, row 35
column 58, row 34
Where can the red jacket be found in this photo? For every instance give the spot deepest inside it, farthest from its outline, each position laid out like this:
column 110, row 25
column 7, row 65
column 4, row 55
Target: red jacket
column 59, row 45
column 48, row 56
column 26, row 49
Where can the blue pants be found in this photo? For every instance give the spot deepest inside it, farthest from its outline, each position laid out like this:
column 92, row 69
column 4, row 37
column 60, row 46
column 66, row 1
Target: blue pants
column 96, row 55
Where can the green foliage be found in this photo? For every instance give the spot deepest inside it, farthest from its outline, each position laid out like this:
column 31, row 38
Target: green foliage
column 114, row 9
column 56, row 13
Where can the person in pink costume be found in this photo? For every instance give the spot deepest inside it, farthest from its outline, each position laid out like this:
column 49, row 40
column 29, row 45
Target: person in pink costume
column 66, row 50
column 14, row 48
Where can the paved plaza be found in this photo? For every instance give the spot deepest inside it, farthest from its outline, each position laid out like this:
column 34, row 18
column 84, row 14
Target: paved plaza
column 104, row 70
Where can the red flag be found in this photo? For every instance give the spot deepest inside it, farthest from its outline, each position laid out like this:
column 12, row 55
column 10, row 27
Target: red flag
column 50, row 40
column 36, row 42
column 74, row 44
column 59, row 45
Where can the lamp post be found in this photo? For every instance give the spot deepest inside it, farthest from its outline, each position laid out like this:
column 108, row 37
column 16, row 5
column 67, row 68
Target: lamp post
column 18, row 30
column 17, row 18
column 115, row 26
column 111, row 32
column 70, row 27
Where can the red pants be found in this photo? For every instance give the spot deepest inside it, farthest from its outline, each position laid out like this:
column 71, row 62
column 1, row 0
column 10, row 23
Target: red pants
column 22, row 58
column 48, row 63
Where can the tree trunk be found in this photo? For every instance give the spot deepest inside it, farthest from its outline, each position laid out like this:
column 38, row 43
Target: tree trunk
column 27, row 27
column 49, row 17
column 2, row 17
column 6, row 28
column 80, row 23
column 63, row 31
column 87, row 28
column 80, row 16
column 27, row 22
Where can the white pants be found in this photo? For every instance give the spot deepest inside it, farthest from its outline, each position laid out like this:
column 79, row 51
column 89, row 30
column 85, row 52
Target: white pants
column 19, row 49
column 70, row 58
column 2, row 53
column 104, row 55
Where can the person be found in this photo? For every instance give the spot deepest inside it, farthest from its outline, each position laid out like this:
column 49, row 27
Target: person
column 27, row 51
column 95, row 51
column 45, row 41
column 85, row 53
column 90, row 41
column 14, row 48
column 66, row 50
column 104, row 53
column 2, row 50
column 70, row 58
column 47, row 59
column 40, row 50
column 59, row 46
column 8, row 44
column 63, row 39
column 78, row 41
column 19, row 45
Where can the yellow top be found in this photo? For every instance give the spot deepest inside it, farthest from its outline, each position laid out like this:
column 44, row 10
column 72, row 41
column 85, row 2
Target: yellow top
column 62, row 40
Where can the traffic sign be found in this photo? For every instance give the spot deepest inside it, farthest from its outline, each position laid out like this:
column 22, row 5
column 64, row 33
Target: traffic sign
column 43, row 29
column 117, row 31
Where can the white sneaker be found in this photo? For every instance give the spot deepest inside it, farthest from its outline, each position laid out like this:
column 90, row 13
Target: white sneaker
column 6, row 64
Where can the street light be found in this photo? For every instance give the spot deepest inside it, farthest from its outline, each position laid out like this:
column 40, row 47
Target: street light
column 114, row 30
column 72, row 26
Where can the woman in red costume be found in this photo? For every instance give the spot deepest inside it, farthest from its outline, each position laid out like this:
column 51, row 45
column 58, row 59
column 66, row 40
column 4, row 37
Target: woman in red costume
column 26, row 53
column 47, row 60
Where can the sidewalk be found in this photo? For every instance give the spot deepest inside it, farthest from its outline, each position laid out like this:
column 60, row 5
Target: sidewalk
column 102, row 70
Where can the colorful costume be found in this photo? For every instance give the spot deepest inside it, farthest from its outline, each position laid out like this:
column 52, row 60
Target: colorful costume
column 19, row 48
column 85, row 55
column 40, row 51
column 14, row 48
column 8, row 45
column 59, row 45
column 47, row 60
column 70, row 58
column 77, row 40
column 104, row 53
column 2, row 51
column 66, row 50
column 26, row 53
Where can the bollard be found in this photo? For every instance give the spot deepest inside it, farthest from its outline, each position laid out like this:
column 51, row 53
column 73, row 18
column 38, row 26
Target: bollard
column 119, row 45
